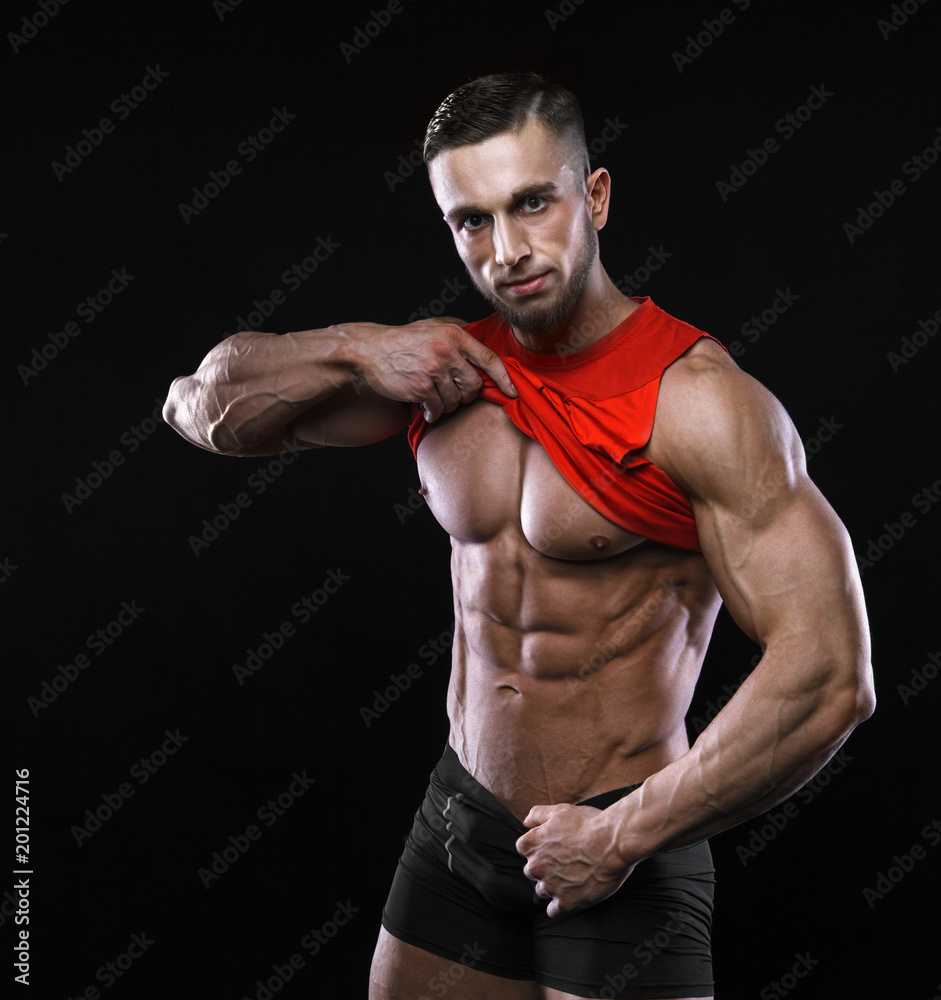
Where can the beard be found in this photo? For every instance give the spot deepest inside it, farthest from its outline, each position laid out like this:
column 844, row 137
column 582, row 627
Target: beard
column 540, row 319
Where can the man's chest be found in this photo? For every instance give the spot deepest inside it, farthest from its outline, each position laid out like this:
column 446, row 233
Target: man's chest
column 482, row 477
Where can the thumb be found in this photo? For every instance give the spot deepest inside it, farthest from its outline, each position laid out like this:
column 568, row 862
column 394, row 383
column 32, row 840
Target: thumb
column 488, row 360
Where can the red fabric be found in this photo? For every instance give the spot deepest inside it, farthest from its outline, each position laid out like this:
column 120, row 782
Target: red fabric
column 592, row 409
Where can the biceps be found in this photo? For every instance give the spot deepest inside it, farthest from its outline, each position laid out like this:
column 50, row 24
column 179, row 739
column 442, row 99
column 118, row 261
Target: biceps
column 356, row 415
column 789, row 577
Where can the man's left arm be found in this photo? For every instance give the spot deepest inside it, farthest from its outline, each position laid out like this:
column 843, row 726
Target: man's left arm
column 785, row 568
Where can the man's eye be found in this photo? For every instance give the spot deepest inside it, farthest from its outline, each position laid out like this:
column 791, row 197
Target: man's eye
column 472, row 222
column 533, row 203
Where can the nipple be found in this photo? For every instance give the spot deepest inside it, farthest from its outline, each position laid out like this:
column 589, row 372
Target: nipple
column 423, row 491
column 599, row 541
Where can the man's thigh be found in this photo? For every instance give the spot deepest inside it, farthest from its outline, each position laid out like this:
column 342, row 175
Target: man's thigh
column 401, row 971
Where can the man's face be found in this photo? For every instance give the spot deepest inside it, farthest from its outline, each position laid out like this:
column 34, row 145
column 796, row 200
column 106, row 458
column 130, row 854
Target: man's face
column 519, row 213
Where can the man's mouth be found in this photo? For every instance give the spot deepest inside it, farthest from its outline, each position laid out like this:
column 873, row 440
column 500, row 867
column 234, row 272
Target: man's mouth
column 527, row 286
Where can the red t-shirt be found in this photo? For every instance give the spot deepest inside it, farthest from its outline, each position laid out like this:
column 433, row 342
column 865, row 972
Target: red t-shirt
column 592, row 410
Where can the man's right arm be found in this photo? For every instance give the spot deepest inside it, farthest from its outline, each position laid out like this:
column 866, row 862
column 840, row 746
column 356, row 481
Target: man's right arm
column 263, row 393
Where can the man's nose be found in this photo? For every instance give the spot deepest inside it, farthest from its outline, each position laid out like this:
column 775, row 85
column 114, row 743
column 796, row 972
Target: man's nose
column 509, row 243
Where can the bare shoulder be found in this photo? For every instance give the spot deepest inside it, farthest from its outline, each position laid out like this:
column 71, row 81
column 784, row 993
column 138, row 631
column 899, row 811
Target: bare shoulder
column 716, row 428
column 731, row 447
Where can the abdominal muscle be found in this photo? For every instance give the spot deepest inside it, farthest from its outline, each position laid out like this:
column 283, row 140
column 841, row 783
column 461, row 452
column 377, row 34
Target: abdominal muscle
column 577, row 645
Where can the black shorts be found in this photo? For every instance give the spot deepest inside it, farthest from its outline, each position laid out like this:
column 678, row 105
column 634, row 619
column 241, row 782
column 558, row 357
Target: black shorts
column 459, row 892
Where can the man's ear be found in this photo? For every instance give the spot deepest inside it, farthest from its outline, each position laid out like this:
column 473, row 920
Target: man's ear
column 598, row 196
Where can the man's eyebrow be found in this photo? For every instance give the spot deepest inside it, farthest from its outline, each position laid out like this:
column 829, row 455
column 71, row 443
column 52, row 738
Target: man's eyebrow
column 463, row 211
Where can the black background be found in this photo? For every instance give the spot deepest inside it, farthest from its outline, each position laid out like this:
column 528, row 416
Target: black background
column 70, row 565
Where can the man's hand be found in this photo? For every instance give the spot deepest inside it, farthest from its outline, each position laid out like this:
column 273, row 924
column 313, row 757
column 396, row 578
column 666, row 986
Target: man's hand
column 571, row 856
column 432, row 363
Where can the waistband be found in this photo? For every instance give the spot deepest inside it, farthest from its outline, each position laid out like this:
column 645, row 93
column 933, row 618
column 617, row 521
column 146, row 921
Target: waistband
column 452, row 772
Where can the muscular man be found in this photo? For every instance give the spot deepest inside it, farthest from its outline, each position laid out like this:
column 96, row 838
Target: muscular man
column 608, row 476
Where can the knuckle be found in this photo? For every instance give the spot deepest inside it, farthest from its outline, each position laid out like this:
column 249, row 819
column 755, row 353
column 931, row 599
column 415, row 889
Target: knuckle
column 440, row 355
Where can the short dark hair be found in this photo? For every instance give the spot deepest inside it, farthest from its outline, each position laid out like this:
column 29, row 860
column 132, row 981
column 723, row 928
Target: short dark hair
column 505, row 102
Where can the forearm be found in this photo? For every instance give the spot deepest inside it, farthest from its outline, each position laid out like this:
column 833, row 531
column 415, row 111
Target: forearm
column 770, row 739
column 252, row 385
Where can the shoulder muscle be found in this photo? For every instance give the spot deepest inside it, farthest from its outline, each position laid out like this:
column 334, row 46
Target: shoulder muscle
column 721, row 435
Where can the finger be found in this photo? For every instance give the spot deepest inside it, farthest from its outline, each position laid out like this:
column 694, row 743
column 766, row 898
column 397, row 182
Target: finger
column 468, row 384
column 482, row 357
column 451, row 320
column 528, row 844
column 432, row 406
column 537, row 816
column 449, row 391
column 443, row 365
